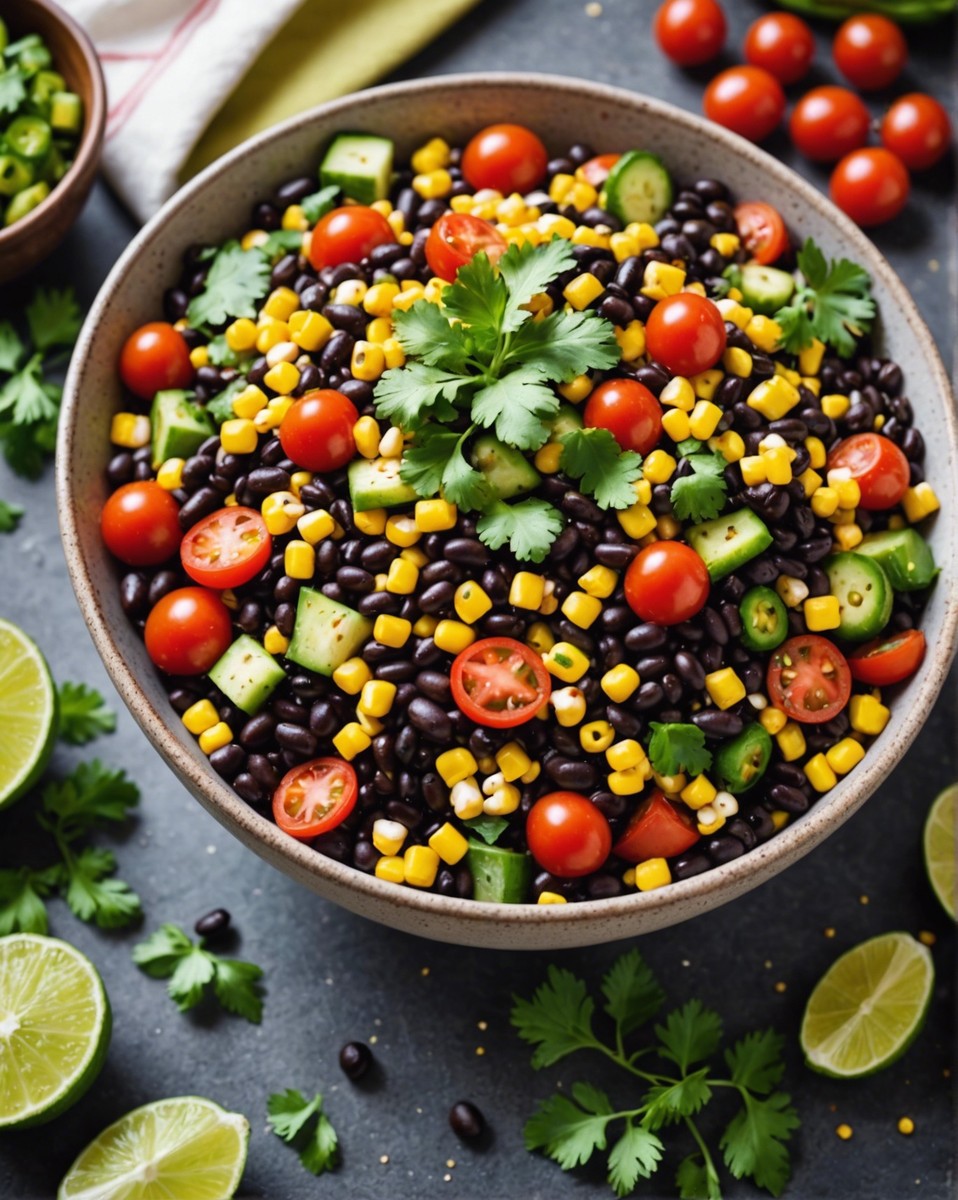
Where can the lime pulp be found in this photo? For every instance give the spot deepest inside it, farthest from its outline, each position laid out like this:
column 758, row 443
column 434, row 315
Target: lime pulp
column 28, row 713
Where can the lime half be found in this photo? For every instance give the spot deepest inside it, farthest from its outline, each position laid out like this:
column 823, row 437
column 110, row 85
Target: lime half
column 868, row 1006
column 939, row 846
column 184, row 1148
column 54, row 1027
column 28, row 713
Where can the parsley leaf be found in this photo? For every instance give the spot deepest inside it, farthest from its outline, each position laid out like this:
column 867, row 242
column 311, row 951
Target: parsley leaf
column 490, row 829
column 690, row 1034
column 22, row 892
column 753, row 1142
column 10, row 515
column 237, row 280
column 280, row 241
column 425, row 460
column 25, row 447
column 604, row 470
column 564, row 345
column 54, row 318
column 91, row 795
column 289, row 1111
column 676, row 747
column 410, row 395
column 528, row 270
column 235, row 986
column 464, row 486
column 701, row 495
column 689, row 446
column 425, row 332
column 517, row 404
column 289, row 1114
column 27, row 398
column 558, row 1018
column 697, row 1180
column 667, row 1103
column 835, row 304
column 565, row 1132
column 169, row 954
column 93, row 895
column 634, row 1156
column 632, row 993
column 530, row 527
column 83, row 714
column 755, row 1062
column 479, row 299
column 319, row 1153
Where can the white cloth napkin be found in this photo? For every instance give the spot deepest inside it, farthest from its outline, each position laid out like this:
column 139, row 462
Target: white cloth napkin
column 169, row 65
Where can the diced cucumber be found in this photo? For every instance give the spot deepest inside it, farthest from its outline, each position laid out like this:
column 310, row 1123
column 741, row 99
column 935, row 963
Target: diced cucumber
column 360, row 164
column 725, row 543
column 326, row 632
column 375, row 483
column 765, row 289
column 26, row 201
column 865, row 595
column 179, row 425
column 247, row 674
column 566, row 420
column 499, row 876
column 905, row 556
column 638, row 188
column 507, row 470
column 66, row 112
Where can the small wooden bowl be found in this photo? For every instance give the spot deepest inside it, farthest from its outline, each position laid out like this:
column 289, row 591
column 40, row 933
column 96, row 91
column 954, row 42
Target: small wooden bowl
column 29, row 240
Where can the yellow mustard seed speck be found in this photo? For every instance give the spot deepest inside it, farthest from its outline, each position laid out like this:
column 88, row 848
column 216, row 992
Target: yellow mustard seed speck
column 384, row 1158
column 593, row 9
column 482, row 1025
column 927, row 938
column 830, row 931
column 447, row 1178
column 450, row 1163
column 862, row 899
column 424, row 972
column 844, row 1132
column 780, row 986
column 906, row 1126
column 480, row 1051
column 373, row 1040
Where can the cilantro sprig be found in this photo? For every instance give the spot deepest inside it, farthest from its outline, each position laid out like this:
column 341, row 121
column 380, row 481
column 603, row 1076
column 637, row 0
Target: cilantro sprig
column 701, row 495
column 237, row 279
column 834, row 304
column 290, row 1115
column 169, row 954
column 676, row 747
column 10, row 515
column 82, row 714
column 603, row 468
column 558, row 1021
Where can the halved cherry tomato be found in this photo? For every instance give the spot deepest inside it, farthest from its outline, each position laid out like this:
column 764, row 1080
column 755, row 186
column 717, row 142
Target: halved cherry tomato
column 685, row 333
column 567, row 835
column 689, row 32
column 187, row 631
column 596, row 170
column 348, row 235
column 808, row 678
column 781, row 43
column 140, row 524
column 509, row 158
column 315, row 797
column 657, row 829
column 667, row 582
column 747, row 100
column 317, row 431
column 888, row 659
column 917, row 129
column 762, row 231
column 870, row 185
column 155, row 357
column 227, row 548
column 499, row 682
column 829, row 122
column 629, row 411
column 454, row 240
column 877, row 464
column 870, row 51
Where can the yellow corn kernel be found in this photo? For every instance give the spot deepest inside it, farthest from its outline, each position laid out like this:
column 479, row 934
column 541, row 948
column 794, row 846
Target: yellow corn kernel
column 130, row 430
column 847, row 537
column 453, row 636
column 551, row 898
column 811, row 481
column 471, row 602
column 596, row 737
column 788, row 374
column 425, row 627
column 395, row 355
column 169, row 475
column 705, row 384
column 547, row 458
column 274, row 641
column 388, row 836
column 625, row 783
column 810, row 359
column 844, row 755
column 372, row 521
column 281, row 511
column 637, row 520
column 737, row 361
column 623, row 246
column 599, row 581
column 773, row 398
column 581, row 609
column 249, row 402
column 631, row 339
column 576, row 390
column 309, row 330
column 654, row 872
column 431, row 156
column 378, row 300
column 678, row 393
column 502, row 801
column 553, row 225
column 709, row 820
column 672, row 785
column 835, row 406
column 466, row 799
column 392, row 631
column 824, row 501
column 378, row 331
column 402, row 531
column 704, row 419
column 402, row 577
column 314, row 526
column 819, row 774
column 817, row 453
column 449, row 844
column 699, row 792
column 659, row 467
column 366, row 435
column 676, row 424
column 215, row 738
column 270, row 333
column 456, row 765
column 368, row 361
column 565, row 662
column 376, row 698
column 240, row 335
column 582, row 290
column 919, row 502
column 239, row 436
column 569, row 705
column 660, row 280
column 200, row 716
column 282, row 378
column 299, row 559
column 513, row 762
column 772, row 720
column 814, row 385
column 281, row 303
column 764, row 332
column 643, row 491
column 625, row 754
column 199, row 357
column 527, row 590
column 433, row 516
column 822, row 612
column 725, row 687
column 298, row 480
column 351, row 676
column 791, row 741
column 295, row 218
column 433, row 185
column 620, row 682
column 391, row 868
column 368, row 724
column 725, row 243
column 867, row 715
column 539, row 637
column 778, row 465
column 249, row 241
column 351, row 740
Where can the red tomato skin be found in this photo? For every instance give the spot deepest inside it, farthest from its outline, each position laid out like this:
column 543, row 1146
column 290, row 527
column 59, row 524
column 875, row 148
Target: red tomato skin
column 916, row 128
column 504, row 719
column 508, row 158
column 819, row 648
column 870, row 51
column 155, row 357
column 629, row 411
column 187, row 631
column 348, row 234
column 685, row 333
column 690, row 32
column 878, row 465
column 748, row 100
column 596, row 170
column 902, row 657
column 456, row 238
column 829, row 122
column 657, row 830
column 317, row 431
column 567, row 835
column 246, row 558
column 762, row 230
column 666, row 583
column 870, row 185
column 345, row 805
column 781, row 43
column 140, row 524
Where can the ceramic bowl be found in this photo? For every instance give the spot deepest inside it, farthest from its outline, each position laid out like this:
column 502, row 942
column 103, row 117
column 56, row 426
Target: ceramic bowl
column 216, row 205
column 28, row 241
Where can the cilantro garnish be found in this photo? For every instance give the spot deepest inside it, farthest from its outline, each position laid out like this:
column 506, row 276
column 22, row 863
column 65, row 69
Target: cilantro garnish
column 570, row 1129
column 13, row 89
column 489, row 828
column 676, row 747
column 169, row 954
column 603, row 468
column 289, row 1114
column 83, row 714
column 10, row 515
column 701, row 495
column 54, row 318
column 237, row 280
column 835, row 304
column 530, row 527
column 318, row 204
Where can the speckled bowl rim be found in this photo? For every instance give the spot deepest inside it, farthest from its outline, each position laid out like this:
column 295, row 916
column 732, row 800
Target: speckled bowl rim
column 559, row 925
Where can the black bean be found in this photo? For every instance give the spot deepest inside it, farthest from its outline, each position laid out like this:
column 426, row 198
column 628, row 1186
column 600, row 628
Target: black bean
column 296, row 738
column 262, row 771
column 653, row 666
column 228, row 761
column 714, row 626
column 468, row 551
column 434, row 792
column 466, row 1121
column 355, row 1059
column 646, row 637
column 615, row 554
column 625, row 723
column 357, row 390
column 133, row 593
column 565, row 543
column 437, row 597
column 355, row 579
column 284, row 618
column 257, row 731
column 581, row 508
column 690, row 669
column 431, row 721
column 603, row 886
column 212, row 923
column 503, row 625
column 199, row 505
column 436, row 572
column 648, row 696
column 723, row 849
column 248, row 788
column 434, row 685
column 689, row 865
column 788, row 798
column 718, row 724
column 578, row 775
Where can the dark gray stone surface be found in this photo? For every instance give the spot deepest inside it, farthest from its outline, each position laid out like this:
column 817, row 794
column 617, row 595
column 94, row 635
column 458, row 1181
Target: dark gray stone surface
column 332, row 977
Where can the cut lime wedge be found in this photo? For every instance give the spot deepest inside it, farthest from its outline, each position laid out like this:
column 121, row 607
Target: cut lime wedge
column 868, row 1007
column 184, row 1148
column 940, row 849
column 54, row 1027
column 28, row 713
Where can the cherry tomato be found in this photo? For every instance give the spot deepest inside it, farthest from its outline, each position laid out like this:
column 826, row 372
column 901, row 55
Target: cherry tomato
column 828, row 122
column 315, row 797
column 878, row 465
column 685, row 333
column 917, row 129
column 155, row 357
column 690, row 32
column 499, row 682
column 667, row 582
column 762, row 231
column 317, row 431
column 808, row 678
column 781, row 43
column 871, row 185
column 187, row 631
column 227, row 548
column 509, row 158
column 348, row 235
column 567, row 835
column 140, row 524
column 596, row 170
column 657, row 829
column 454, row 240
column 747, row 100
column 888, row 659
column 629, row 411
column 870, row 51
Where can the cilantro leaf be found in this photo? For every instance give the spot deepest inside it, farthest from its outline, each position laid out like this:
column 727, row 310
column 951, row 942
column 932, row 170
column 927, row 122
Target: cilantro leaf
column 425, row 460
column 558, row 1018
column 676, row 747
column 530, row 527
column 169, row 954
column 464, row 486
column 564, row 345
column 753, row 1141
column 565, row 1132
column 528, row 270
column 634, row 1156
column 93, row 896
column 697, row 1180
column 835, row 304
column 668, row 1103
column 83, row 713
column 158, row 954
column 478, row 299
column 812, row 263
column 280, row 241
column 12, row 348
column 25, row 447
column 319, row 1153
column 289, row 1111
column 632, row 993
column 410, row 395
column 235, row 986
column 517, row 404
column 701, row 495
column 690, row 1034
column 193, row 971
column 13, row 89
column 223, row 355
column 10, row 515
column 22, row 892
column 236, row 281
column 54, row 318
column 689, row 446
column 93, row 793
column 490, row 829
column 604, row 470
column 27, row 397
column 318, row 204
column 425, row 332
column 756, row 1062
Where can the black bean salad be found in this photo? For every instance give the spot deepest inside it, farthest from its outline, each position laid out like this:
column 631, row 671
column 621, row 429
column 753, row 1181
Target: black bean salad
column 525, row 529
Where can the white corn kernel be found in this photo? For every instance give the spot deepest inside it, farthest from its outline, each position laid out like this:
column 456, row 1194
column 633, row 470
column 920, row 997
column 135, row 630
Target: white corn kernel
column 725, row 804
column 282, row 352
column 492, row 782
column 391, row 443
column 466, row 799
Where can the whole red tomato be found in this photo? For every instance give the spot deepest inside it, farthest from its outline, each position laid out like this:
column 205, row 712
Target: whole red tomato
column 456, row 238
column 348, row 235
column 917, row 129
column 155, row 357
column 187, row 631
column 828, row 122
column 629, row 411
column 870, row 51
column 317, row 431
column 748, row 100
column 871, row 185
column 508, row 158
column 685, row 333
column 666, row 583
column 878, row 466
column 567, row 835
column 140, row 524
column 781, row 43
column 690, row 32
